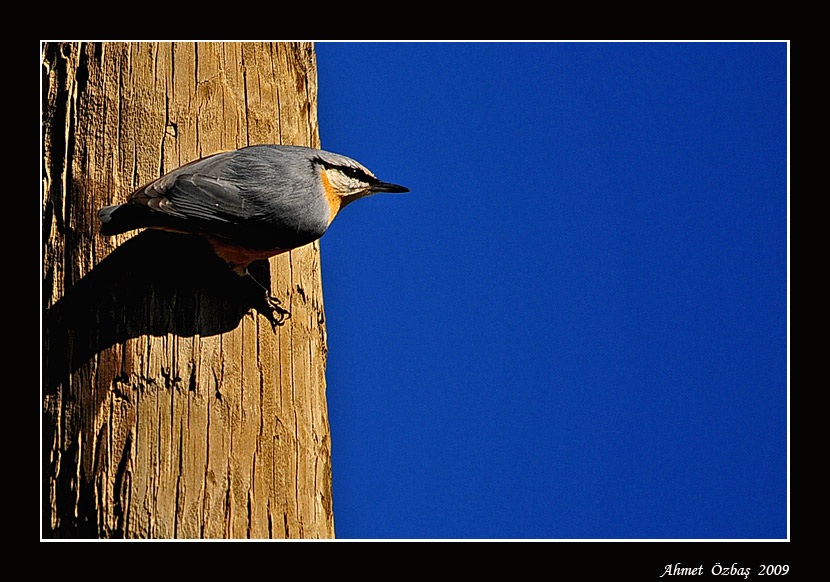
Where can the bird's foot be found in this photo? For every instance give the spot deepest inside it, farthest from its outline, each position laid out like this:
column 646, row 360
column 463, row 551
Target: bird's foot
column 275, row 313
column 271, row 307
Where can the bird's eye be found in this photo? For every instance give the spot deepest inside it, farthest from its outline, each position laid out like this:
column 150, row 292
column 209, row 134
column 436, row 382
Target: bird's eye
column 356, row 174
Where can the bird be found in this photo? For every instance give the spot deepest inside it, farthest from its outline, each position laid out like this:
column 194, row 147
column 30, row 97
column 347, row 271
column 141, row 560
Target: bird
column 251, row 203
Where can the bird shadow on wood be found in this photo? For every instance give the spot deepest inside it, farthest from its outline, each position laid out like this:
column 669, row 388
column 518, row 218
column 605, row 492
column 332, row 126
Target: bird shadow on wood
column 154, row 284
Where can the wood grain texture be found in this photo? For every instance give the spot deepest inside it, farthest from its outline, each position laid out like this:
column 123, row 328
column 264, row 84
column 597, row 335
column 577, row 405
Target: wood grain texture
column 171, row 407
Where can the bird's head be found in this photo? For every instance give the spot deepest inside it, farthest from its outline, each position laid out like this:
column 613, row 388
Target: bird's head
column 345, row 180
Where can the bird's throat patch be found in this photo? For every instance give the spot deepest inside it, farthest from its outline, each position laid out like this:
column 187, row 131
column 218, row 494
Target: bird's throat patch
column 335, row 201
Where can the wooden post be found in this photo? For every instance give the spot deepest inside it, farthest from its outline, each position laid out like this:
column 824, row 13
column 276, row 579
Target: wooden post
column 171, row 408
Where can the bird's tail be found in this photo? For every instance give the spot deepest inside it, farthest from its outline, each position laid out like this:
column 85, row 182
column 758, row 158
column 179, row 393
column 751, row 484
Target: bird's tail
column 121, row 218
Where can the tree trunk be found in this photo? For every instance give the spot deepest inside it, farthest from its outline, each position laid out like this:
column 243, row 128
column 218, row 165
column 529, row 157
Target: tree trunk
column 171, row 408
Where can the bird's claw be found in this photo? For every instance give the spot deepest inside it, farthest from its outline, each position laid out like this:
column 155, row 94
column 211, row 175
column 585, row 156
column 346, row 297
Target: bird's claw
column 273, row 311
column 276, row 314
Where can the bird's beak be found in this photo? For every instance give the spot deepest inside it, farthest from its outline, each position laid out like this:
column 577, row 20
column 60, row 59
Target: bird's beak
column 387, row 187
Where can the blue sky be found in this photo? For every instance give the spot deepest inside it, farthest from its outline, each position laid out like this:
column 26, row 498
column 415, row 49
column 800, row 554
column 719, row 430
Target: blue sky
column 575, row 324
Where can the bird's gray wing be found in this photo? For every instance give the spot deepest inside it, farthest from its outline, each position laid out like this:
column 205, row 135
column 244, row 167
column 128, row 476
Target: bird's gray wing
column 199, row 194
column 206, row 199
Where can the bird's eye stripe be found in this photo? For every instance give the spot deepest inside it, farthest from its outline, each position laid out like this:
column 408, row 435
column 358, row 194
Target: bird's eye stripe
column 350, row 171
column 357, row 174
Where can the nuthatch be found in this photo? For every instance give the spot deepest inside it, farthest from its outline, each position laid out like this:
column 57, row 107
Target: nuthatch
column 251, row 203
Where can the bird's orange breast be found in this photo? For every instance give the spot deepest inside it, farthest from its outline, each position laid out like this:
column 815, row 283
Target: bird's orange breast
column 239, row 257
